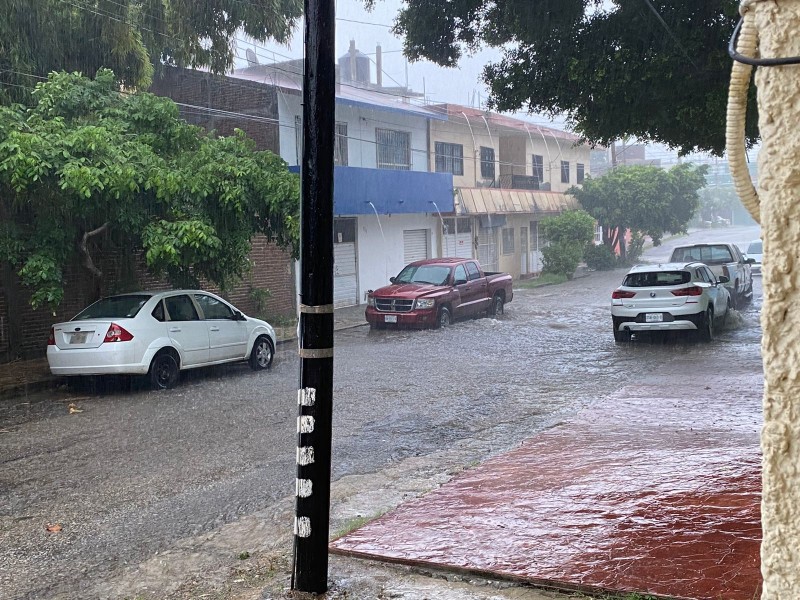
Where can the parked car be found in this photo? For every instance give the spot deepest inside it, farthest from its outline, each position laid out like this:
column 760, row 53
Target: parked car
column 670, row 297
column 724, row 260
column 158, row 334
column 435, row 292
column 754, row 251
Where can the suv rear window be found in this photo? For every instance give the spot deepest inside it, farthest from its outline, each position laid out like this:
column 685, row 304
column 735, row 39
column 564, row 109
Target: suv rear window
column 656, row 278
column 710, row 255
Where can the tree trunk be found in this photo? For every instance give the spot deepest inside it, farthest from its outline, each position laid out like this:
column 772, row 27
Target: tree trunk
column 777, row 24
column 15, row 305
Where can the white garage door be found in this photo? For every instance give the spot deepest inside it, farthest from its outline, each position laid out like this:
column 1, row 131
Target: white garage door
column 415, row 245
column 345, row 282
column 458, row 245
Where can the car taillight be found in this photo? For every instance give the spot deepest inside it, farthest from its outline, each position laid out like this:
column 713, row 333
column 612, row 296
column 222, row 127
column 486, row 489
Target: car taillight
column 690, row 291
column 616, row 294
column 51, row 341
column 116, row 333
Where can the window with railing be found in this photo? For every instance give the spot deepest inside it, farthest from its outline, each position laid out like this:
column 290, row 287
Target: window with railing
column 340, row 146
column 449, row 158
column 538, row 167
column 487, row 162
column 394, row 149
column 564, row 171
column 580, row 173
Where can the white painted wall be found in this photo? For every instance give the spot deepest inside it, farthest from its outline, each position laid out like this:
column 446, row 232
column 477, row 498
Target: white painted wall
column 381, row 256
column 361, row 125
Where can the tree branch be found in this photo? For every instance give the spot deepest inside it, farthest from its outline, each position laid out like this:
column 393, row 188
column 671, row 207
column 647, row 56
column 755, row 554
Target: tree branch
column 84, row 249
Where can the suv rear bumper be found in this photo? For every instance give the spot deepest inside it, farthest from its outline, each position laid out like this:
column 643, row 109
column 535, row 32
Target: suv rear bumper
column 636, row 323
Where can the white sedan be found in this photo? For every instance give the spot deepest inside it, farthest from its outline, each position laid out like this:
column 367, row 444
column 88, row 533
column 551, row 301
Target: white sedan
column 670, row 297
column 158, row 334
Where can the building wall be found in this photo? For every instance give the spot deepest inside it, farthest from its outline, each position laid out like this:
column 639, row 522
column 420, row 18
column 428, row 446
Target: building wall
column 362, row 123
column 380, row 255
column 777, row 24
column 513, row 152
column 198, row 91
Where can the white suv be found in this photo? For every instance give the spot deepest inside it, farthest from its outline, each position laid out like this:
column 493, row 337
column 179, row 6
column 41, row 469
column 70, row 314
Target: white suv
column 669, row 297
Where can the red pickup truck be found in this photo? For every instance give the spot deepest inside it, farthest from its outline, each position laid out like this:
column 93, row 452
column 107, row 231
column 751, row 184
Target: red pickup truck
column 435, row 292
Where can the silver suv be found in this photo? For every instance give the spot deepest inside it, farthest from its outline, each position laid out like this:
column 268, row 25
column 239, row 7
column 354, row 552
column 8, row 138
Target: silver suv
column 669, row 297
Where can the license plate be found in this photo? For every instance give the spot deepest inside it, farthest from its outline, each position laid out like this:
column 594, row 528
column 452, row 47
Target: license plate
column 653, row 318
column 390, row 318
column 78, row 338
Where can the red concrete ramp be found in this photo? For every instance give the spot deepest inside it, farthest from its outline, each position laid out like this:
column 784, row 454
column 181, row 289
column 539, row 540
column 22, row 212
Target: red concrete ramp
column 640, row 493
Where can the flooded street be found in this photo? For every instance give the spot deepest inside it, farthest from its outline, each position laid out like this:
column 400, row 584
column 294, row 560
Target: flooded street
column 139, row 472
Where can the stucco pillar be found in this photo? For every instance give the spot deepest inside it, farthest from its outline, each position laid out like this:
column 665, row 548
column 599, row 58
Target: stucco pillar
column 778, row 24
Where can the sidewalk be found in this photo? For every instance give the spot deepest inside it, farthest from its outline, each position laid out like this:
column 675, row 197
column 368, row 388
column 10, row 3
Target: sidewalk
column 649, row 491
column 23, row 377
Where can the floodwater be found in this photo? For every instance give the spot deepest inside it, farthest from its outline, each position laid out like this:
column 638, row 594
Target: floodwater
column 137, row 473
column 650, row 484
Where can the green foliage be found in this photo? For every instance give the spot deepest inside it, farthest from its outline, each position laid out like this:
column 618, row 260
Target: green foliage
column 611, row 67
column 599, row 257
column 131, row 37
column 648, row 201
column 90, row 165
column 567, row 234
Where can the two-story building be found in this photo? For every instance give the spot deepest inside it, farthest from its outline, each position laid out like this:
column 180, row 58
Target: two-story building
column 509, row 174
column 387, row 202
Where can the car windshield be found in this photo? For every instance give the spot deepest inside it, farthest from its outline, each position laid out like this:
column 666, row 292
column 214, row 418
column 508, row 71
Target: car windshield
column 432, row 274
column 656, row 278
column 754, row 248
column 711, row 255
column 114, row 307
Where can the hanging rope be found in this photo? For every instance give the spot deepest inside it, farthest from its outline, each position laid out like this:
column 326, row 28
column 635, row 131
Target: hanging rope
column 747, row 45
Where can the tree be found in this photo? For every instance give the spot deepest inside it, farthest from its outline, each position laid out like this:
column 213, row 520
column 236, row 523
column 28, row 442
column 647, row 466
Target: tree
column 647, row 201
column 657, row 70
column 90, row 169
column 567, row 235
column 131, row 37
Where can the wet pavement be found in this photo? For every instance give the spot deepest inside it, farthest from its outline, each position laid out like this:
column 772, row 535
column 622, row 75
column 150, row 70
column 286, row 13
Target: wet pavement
column 647, row 492
column 156, row 490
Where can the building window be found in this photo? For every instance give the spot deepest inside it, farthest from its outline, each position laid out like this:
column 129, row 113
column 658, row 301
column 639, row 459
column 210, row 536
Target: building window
column 394, row 149
column 598, row 235
column 564, row 171
column 340, row 147
column 580, row 173
column 538, row 167
column 508, row 240
column 487, row 162
column 449, row 158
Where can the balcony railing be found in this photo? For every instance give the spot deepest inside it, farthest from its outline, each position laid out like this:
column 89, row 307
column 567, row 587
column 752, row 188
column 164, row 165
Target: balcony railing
column 516, row 182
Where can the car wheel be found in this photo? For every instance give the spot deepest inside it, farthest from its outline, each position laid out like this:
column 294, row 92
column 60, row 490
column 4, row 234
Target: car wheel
column 707, row 329
column 443, row 317
column 734, row 299
column 620, row 336
column 498, row 306
column 262, row 353
column 724, row 320
column 164, row 371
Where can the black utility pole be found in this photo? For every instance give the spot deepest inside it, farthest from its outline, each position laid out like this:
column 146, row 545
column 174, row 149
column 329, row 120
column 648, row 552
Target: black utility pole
column 315, row 397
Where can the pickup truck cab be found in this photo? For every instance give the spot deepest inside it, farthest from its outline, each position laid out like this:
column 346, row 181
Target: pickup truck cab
column 435, row 292
column 724, row 260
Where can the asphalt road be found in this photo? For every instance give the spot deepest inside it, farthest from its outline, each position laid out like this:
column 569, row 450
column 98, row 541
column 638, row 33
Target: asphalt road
column 137, row 471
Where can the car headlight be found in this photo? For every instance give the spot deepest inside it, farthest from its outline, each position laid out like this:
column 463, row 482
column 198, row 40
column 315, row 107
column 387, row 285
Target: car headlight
column 425, row 303
column 371, row 301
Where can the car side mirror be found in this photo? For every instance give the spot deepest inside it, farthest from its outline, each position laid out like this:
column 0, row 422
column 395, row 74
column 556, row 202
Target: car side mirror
column 239, row 316
column 391, row 279
column 460, row 282
column 723, row 279
column 751, row 261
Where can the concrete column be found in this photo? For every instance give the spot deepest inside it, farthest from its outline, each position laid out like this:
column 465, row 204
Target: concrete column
column 777, row 23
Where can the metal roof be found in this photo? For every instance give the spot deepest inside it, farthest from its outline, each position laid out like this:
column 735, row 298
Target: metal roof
column 486, row 201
